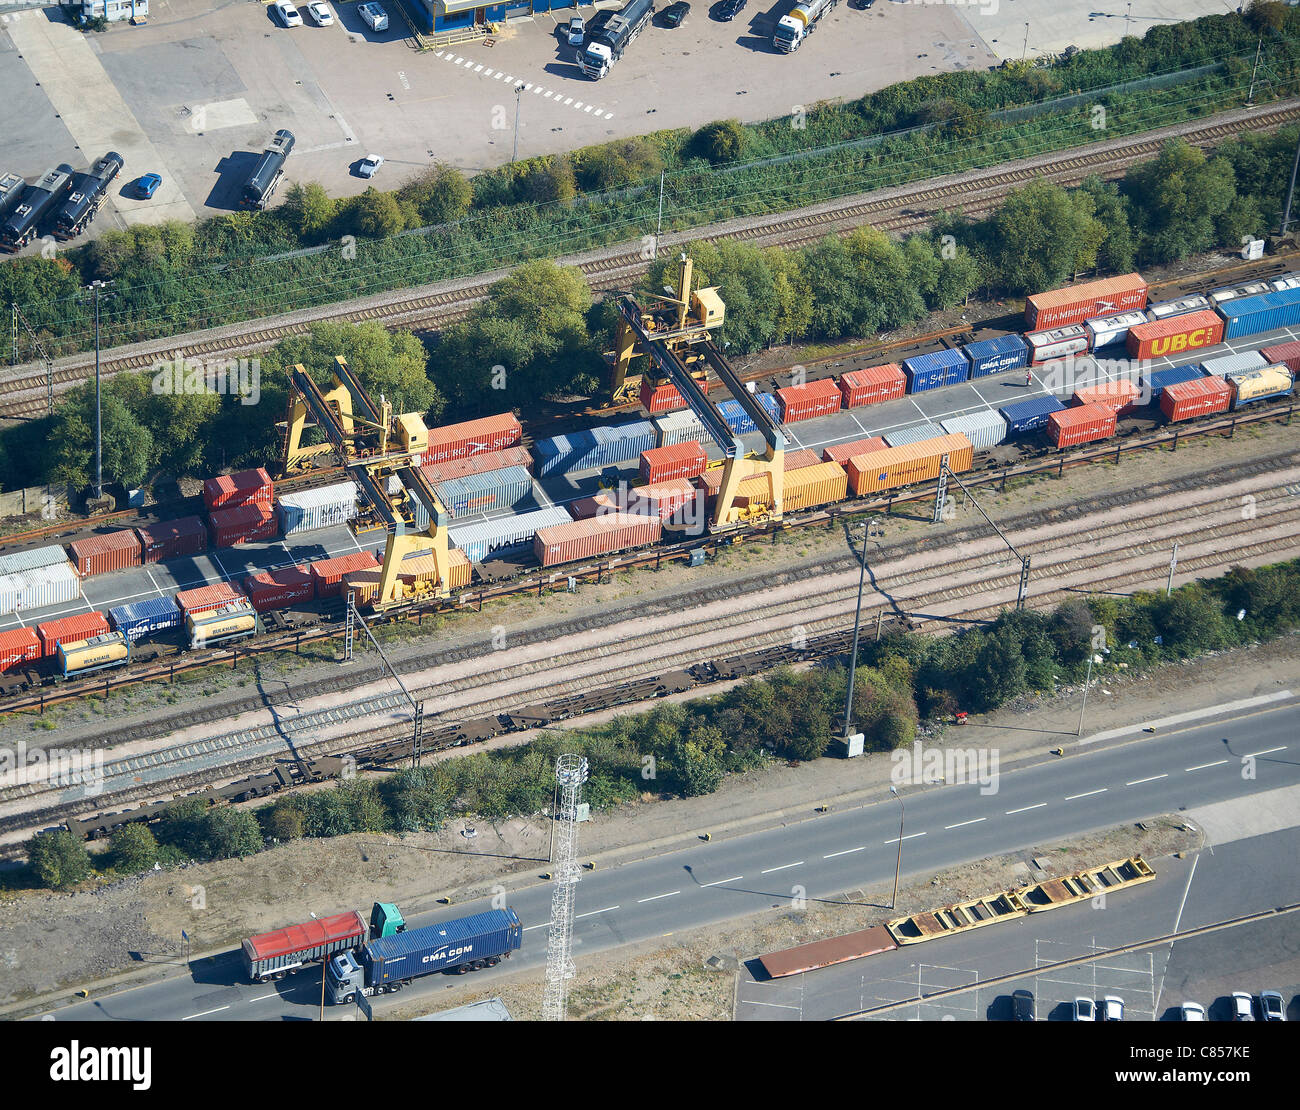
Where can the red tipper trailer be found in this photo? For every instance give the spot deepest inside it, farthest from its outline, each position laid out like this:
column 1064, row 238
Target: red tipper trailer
column 823, row 953
column 272, row 954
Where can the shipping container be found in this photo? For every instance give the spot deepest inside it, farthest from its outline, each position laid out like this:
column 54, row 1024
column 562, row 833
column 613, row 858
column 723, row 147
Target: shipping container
column 79, row 626
column 437, row 947
column 914, row 462
column 664, row 396
column 753, row 492
column 1103, row 331
column 18, row 646
column 677, row 500
column 106, row 552
column 422, row 567
column 493, row 489
column 1288, row 354
column 662, row 499
column 1081, row 424
column 244, row 524
column 770, row 405
column 594, row 448
column 1166, row 310
column 1234, row 364
column 508, row 535
column 681, row 460
column 314, row 509
column 1199, row 397
column 1057, row 343
column 803, row 402
column 1121, row 395
column 601, row 535
column 1076, row 303
column 170, row 539
column 936, row 369
column 872, row 385
column 1025, row 416
column 842, row 452
column 1260, row 385
column 108, row 649
column 814, row 485
column 1156, row 380
column 993, row 356
column 278, row 589
column 738, row 420
column 33, row 558
column 983, row 429
column 913, row 434
column 477, row 464
column 204, row 599
column 797, row 460
column 233, row 620
column 1175, row 335
column 269, row 954
column 1267, row 312
column 473, row 437
column 246, row 487
column 37, row 589
column 678, row 427
column 328, row 573
column 139, row 619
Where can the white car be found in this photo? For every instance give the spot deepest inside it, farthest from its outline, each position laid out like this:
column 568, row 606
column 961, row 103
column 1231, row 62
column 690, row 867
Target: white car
column 1193, row 1011
column 1111, row 1009
column 288, row 13
column 1243, row 1006
column 375, row 16
column 320, row 14
column 370, row 165
column 1084, row 1010
column 577, row 28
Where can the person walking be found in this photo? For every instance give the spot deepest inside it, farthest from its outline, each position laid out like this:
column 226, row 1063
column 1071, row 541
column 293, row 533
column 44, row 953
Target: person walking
column 1029, row 378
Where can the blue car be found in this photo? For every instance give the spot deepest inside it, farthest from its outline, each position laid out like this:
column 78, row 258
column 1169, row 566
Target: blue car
column 147, row 185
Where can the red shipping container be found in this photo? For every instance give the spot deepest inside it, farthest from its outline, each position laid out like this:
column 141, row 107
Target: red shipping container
column 109, row 551
column 482, row 463
column 1080, row 425
column 664, row 396
column 875, row 383
column 1120, row 395
column 1288, row 354
column 680, row 460
column 18, row 646
column 328, row 573
column 803, row 402
column 245, row 524
column 798, row 460
column 1076, row 303
column 665, row 499
column 473, row 437
column 1199, row 397
column 247, row 487
column 80, row 626
column 842, row 452
column 170, row 539
column 203, row 599
column 601, row 535
column 1176, row 335
column 276, row 589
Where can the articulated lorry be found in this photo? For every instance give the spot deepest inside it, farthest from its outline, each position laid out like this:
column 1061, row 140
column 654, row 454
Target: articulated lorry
column 792, row 29
column 606, row 43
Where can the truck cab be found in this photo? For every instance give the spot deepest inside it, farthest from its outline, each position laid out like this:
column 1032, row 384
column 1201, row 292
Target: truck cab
column 386, row 920
column 344, row 978
column 789, row 34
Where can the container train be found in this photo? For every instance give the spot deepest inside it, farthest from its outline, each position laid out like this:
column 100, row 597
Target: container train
column 38, row 201
column 88, row 191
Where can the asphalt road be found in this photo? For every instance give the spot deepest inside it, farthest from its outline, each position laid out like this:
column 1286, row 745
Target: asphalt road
column 839, row 852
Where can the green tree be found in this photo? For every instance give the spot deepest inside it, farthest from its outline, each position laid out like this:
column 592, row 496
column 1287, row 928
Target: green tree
column 133, row 848
column 59, row 859
column 230, row 833
column 547, row 181
column 439, row 195
column 721, row 141
column 416, row 799
column 695, row 771
column 283, row 820
column 791, row 295
column 307, row 209
column 997, row 672
column 377, row 214
column 183, row 828
column 1178, row 199
column 127, row 450
column 615, row 164
column 1118, row 250
column 1041, row 235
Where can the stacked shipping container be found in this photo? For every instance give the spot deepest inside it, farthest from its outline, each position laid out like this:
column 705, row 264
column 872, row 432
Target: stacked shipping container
column 204, row 599
column 872, row 385
column 477, row 464
column 1076, row 303
column 170, row 539
column 493, row 489
column 314, row 509
column 246, row 487
column 244, row 524
column 473, row 437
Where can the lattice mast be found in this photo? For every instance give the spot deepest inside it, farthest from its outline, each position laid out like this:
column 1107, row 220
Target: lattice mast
column 570, row 774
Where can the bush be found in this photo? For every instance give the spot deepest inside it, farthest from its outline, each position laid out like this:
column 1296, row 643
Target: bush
column 229, row 833
column 720, row 142
column 59, row 859
column 133, row 848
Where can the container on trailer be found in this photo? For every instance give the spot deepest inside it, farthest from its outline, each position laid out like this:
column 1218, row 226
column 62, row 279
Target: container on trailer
column 105, row 650
column 1081, row 424
column 1266, row 312
column 797, row 460
column 1155, row 382
column 678, row 427
column 842, row 452
column 1166, row 310
column 872, row 384
column 314, row 509
column 913, row 434
column 481, row 540
column 1175, row 335
column 18, row 646
column 738, row 420
column 601, row 535
column 204, row 599
column 243, row 524
column 1103, row 331
column 328, row 573
column 277, row 589
column 245, row 487
column 681, row 460
column 803, row 402
column 993, row 356
column 1057, row 343
column 106, row 552
column 983, row 429
column 1260, row 385
column 1025, row 416
column 664, row 396
column 913, row 462
column 170, row 539
column 1288, row 354
column 1121, row 395
column 1198, row 397
column 79, row 626
column 440, row 946
column 936, row 369
column 814, row 485
column 493, row 489
column 138, row 619
column 1076, row 303
column 33, row 558
column 473, row 437
column 274, row 953
column 477, row 464
column 1234, row 364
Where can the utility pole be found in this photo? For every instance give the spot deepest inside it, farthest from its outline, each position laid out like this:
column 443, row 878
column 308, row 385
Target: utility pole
column 570, row 774
column 898, row 867
column 1290, row 192
column 519, row 92
column 1086, row 683
column 1173, row 563
column 1025, row 49
column 857, row 625
column 96, row 288
column 659, row 226
column 1250, row 96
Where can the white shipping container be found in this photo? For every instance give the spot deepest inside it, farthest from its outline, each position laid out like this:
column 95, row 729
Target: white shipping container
column 32, row 559
column 914, row 434
column 1105, row 330
column 679, row 427
column 481, row 538
column 36, row 589
column 314, row 509
column 1234, row 364
column 11, row 587
column 983, row 429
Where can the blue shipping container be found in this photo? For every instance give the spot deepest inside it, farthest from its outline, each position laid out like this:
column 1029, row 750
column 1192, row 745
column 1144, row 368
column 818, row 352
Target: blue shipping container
column 1171, row 375
column 435, row 947
column 1265, row 312
column 992, row 356
column 1025, row 416
column 737, row 418
column 936, row 369
column 492, row 489
column 143, row 618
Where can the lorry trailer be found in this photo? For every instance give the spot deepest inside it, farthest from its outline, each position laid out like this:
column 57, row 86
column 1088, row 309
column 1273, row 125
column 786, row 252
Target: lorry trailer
column 268, row 172
column 605, row 45
column 37, row 202
column 792, row 29
column 87, row 195
column 12, row 188
column 273, row 955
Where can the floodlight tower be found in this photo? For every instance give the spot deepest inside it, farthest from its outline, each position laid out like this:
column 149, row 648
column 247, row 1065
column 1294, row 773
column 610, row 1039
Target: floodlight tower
column 570, row 774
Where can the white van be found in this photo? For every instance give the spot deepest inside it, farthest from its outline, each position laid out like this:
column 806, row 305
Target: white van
column 375, row 16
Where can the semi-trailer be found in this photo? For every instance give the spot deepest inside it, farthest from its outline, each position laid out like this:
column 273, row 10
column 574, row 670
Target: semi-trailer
column 37, row 202
column 792, row 29
column 12, row 188
column 87, row 196
column 606, row 45
column 266, row 175
column 273, row 955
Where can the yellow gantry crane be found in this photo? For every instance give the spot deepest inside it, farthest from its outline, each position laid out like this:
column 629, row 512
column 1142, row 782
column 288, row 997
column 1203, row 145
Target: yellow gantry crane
column 673, row 334
column 381, row 453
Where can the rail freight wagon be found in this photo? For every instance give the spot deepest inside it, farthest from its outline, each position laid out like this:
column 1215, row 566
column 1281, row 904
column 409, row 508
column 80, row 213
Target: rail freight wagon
column 1236, row 292
column 269, row 171
column 389, row 963
column 1286, row 353
column 231, row 621
column 38, row 202
column 108, row 649
column 803, row 402
column 1057, row 343
column 1259, row 385
column 1077, row 303
column 1103, row 331
column 273, row 955
column 87, row 196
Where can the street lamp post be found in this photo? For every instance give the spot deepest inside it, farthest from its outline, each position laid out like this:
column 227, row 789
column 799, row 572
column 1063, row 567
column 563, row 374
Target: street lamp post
column 519, row 92
column 857, row 625
column 96, row 286
column 898, row 867
column 1025, row 49
column 1086, row 683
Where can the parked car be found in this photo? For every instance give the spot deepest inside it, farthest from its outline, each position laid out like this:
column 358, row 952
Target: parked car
column 1084, row 1010
column 288, row 13
column 675, row 14
column 1022, row 1006
column 1192, row 1011
column 370, row 165
column 730, row 9
column 375, row 16
column 1271, row 1006
column 1243, row 1008
column 577, row 28
column 1110, row 1008
column 147, row 185
column 320, row 13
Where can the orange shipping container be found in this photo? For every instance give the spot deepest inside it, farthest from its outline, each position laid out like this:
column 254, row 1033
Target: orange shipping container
column 109, row 551
column 80, row 626
column 1199, row 397
column 842, row 452
column 18, row 646
column 206, row 598
column 1120, row 395
column 601, row 535
column 473, row 437
column 1176, row 334
column 1076, row 303
column 803, row 402
column 797, row 460
column 328, row 573
column 679, row 460
column 245, row 487
column 874, row 384
column 1081, row 424
column 912, row 462
column 814, row 485
column 478, row 464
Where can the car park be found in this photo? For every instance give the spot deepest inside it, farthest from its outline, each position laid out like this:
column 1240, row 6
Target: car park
column 1084, row 1010
column 375, row 16
column 1243, row 1008
column 147, row 185
column 675, row 14
column 288, row 13
column 320, row 13
column 1110, row 1008
column 1022, row 1006
column 1271, row 1006
column 577, row 28
column 1191, row 1011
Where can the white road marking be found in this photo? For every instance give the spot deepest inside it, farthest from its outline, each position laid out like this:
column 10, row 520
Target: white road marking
column 543, row 925
column 1202, row 766
column 963, row 824
column 909, row 836
column 1088, row 794
column 262, row 997
column 1139, row 782
column 592, row 913
column 656, row 897
column 719, row 882
column 206, row 1013
column 1266, row 751
column 775, row 1005
column 846, row 852
column 783, row 867
column 1026, row 809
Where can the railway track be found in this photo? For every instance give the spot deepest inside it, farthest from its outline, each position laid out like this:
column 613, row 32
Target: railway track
column 23, row 390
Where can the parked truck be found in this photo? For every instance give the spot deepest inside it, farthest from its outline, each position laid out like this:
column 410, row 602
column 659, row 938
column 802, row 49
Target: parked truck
column 792, row 29
column 605, row 44
column 273, row 955
column 389, row 963
column 87, row 196
column 266, row 175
